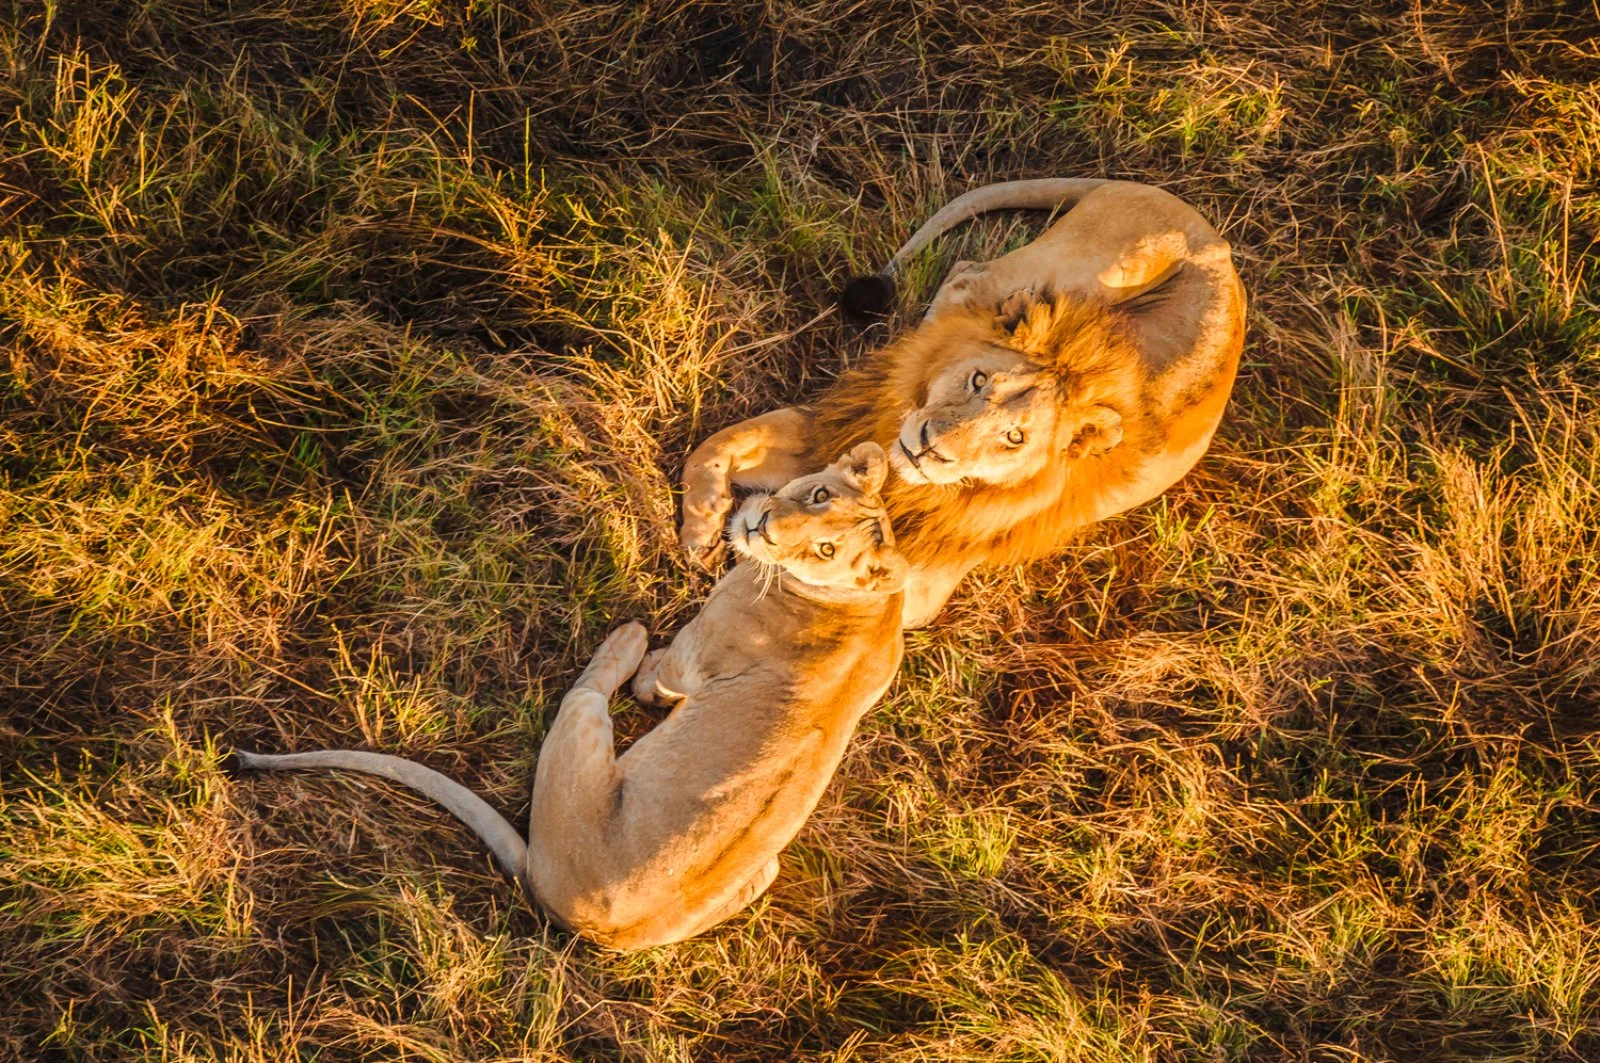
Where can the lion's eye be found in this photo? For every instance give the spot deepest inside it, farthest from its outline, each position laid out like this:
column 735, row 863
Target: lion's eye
column 825, row 549
column 979, row 379
column 820, row 495
column 1015, row 437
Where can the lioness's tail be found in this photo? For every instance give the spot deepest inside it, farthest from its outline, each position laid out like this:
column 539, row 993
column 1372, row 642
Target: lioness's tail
column 870, row 295
column 510, row 851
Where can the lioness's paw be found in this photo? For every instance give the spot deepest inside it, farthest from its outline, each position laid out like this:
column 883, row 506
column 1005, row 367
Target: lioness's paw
column 647, row 665
column 645, row 687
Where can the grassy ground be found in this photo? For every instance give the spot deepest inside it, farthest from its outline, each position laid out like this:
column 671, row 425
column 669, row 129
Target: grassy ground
column 350, row 350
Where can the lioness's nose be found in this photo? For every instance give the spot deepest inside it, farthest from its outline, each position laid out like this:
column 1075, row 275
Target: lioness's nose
column 924, row 435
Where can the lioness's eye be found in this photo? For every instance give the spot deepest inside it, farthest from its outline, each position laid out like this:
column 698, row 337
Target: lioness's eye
column 1015, row 437
column 820, row 495
column 825, row 549
column 979, row 378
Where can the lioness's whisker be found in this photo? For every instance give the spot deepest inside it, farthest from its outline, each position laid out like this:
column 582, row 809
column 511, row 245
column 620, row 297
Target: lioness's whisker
column 769, row 573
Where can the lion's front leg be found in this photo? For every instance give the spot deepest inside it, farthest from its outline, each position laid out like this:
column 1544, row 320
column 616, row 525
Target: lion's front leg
column 928, row 588
column 957, row 290
column 763, row 452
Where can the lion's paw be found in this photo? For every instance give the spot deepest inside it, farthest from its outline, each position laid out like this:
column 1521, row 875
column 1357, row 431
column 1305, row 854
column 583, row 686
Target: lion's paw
column 701, row 534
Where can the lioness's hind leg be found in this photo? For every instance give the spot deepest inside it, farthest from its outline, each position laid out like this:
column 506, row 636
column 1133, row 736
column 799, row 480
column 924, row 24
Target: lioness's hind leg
column 579, row 745
column 739, row 900
column 575, row 783
column 760, row 883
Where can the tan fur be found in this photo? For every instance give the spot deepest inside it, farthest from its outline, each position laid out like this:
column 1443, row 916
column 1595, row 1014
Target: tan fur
column 1128, row 316
column 768, row 682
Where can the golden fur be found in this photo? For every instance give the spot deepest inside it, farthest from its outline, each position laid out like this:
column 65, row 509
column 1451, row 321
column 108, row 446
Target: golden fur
column 1050, row 388
column 1076, row 343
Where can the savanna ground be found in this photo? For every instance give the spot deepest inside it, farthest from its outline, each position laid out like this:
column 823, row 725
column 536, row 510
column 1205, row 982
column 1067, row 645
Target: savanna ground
column 351, row 352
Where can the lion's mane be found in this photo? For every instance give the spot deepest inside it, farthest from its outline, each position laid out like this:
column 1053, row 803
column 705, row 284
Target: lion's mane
column 1082, row 345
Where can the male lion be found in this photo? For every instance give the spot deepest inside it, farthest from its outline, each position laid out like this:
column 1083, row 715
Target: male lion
column 1060, row 384
column 684, row 829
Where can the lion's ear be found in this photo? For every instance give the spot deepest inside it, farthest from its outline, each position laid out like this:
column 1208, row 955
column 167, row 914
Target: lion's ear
column 1099, row 431
column 866, row 467
column 885, row 571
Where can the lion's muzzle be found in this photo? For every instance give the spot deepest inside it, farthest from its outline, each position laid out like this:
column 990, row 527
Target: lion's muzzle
column 917, row 455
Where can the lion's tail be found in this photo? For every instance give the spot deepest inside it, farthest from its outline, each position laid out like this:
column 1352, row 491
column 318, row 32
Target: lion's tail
column 510, row 851
column 866, row 296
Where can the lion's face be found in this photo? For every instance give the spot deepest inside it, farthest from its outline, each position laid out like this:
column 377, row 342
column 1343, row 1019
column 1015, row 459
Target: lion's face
column 828, row 529
column 996, row 417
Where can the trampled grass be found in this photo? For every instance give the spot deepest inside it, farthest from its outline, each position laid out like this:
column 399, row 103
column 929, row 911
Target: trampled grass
column 351, row 350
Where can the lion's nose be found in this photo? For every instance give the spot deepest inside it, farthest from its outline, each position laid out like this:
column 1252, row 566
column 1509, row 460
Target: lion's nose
column 928, row 451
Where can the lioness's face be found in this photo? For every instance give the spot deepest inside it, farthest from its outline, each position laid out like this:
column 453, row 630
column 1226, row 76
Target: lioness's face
column 828, row 529
column 994, row 417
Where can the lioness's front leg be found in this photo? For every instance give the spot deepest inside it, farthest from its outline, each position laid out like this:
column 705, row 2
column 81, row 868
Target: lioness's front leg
column 647, row 686
column 668, row 675
column 763, row 452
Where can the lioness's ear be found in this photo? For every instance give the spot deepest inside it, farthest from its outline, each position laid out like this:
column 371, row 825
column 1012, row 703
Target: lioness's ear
column 866, row 467
column 885, row 571
column 1100, row 430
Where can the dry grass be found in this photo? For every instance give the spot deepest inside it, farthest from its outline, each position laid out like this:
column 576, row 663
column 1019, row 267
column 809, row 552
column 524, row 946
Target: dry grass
column 350, row 352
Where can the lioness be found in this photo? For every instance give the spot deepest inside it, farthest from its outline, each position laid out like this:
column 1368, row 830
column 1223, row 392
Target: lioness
column 1060, row 384
column 684, row 829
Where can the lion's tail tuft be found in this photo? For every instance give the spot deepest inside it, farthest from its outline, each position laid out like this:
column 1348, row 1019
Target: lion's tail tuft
column 872, row 295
